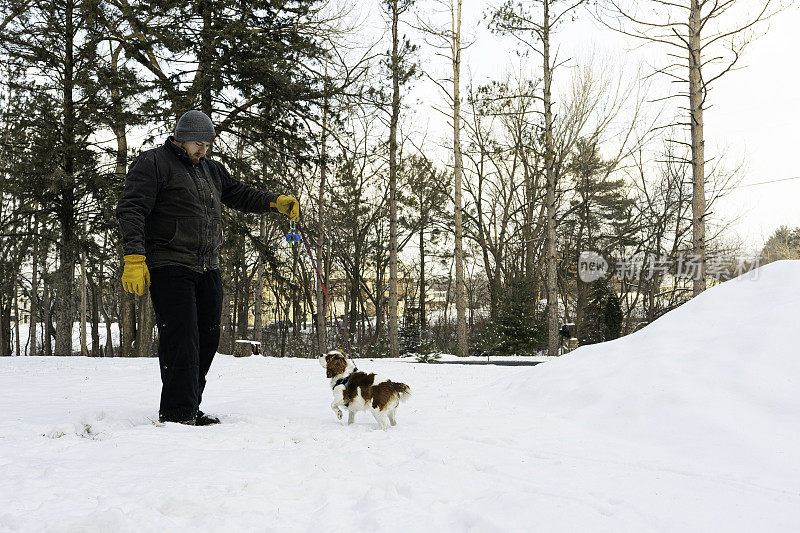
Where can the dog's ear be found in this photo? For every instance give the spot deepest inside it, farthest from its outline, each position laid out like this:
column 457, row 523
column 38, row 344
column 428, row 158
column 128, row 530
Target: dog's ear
column 336, row 365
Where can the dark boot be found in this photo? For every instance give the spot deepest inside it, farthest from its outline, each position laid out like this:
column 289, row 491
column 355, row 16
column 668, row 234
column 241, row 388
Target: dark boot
column 189, row 422
column 205, row 420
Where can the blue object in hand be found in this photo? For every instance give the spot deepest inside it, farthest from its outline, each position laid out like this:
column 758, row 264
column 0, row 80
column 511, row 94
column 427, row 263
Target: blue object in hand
column 293, row 236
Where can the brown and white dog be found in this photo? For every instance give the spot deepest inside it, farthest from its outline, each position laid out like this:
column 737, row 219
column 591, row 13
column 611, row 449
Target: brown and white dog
column 359, row 391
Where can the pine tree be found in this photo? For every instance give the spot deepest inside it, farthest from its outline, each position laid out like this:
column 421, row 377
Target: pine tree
column 612, row 317
column 55, row 44
column 600, row 219
column 521, row 325
column 602, row 318
column 246, row 66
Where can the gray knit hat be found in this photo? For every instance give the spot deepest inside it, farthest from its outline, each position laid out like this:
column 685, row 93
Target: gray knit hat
column 194, row 126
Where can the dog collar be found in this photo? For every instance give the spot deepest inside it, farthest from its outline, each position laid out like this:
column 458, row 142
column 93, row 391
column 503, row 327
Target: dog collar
column 343, row 381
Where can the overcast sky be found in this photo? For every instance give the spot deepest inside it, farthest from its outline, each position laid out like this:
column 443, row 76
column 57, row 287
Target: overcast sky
column 757, row 112
column 753, row 117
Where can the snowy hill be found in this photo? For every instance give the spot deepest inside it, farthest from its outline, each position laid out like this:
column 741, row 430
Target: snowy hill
column 724, row 367
column 691, row 424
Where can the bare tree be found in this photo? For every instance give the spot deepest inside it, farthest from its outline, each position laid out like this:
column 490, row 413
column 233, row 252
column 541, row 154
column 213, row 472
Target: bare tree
column 522, row 22
column 705, row 40
column 784, row 243
column 322, row 341
column 461, row 288
column 498, row 126
column 401, row 71
column 447, row 39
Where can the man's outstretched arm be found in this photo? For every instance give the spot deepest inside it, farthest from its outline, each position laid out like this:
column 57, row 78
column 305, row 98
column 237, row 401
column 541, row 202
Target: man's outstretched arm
column 242, row 197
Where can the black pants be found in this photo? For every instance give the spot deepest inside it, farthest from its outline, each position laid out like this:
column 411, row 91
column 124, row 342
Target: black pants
column 188, row 306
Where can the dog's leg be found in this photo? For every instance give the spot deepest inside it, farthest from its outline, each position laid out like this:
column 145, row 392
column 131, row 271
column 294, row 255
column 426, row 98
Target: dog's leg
column 380, row 418
column 392, row 419
column 338, row 399
column 351, row 417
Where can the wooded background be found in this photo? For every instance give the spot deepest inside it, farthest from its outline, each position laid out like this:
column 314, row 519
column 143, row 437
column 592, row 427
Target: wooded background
column 308, row 103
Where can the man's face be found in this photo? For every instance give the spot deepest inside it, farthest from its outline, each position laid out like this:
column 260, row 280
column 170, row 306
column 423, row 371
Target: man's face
column 195, row 149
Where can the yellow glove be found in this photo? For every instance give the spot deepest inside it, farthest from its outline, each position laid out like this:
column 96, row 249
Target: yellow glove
column 288, row 206
column 135, row 276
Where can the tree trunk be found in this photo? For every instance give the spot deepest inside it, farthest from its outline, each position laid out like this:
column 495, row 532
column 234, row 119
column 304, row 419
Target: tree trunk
column 354, row 295
column 380, row 275
column 5, row 326
column 258, row 325
column 243, row 292
column 461, row 304
column 127, row 311
column 127, row 324
column 394, row 347
column 64, row 315
column 16, row 321
column 144, row 333
column 527, row 231
column 206, row 57
column 234, row 312
column 109, row 349
column 97, row 308
column 64, row 305
column 46, row 316
column 84, row 307
column 322, row 341
column 95, row 320
column 423, row 319
column 296, row 294
column 283, row 322
column 225, row 322
column 36, row 309
column 492, row 278
column 698, row 149
column 366, row 329
column 448, row 296
column 552, row 281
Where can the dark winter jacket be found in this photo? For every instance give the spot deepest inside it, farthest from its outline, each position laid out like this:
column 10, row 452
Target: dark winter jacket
column 170, row 208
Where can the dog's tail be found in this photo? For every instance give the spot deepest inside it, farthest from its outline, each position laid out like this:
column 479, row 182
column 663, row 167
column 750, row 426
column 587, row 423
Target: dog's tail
column 403, row 391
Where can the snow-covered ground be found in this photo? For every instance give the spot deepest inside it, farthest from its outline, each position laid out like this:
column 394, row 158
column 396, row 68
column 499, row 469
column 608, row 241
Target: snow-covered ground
column 691, row 424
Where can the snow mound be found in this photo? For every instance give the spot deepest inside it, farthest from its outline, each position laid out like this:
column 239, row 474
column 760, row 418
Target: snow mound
column 722, row 368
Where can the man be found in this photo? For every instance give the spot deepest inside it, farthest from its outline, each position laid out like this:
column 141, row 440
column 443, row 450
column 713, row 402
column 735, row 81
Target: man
column 170, row 219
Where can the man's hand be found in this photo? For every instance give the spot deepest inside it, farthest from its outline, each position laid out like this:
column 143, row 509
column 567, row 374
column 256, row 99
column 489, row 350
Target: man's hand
column 135, row 275
column 288, row 206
